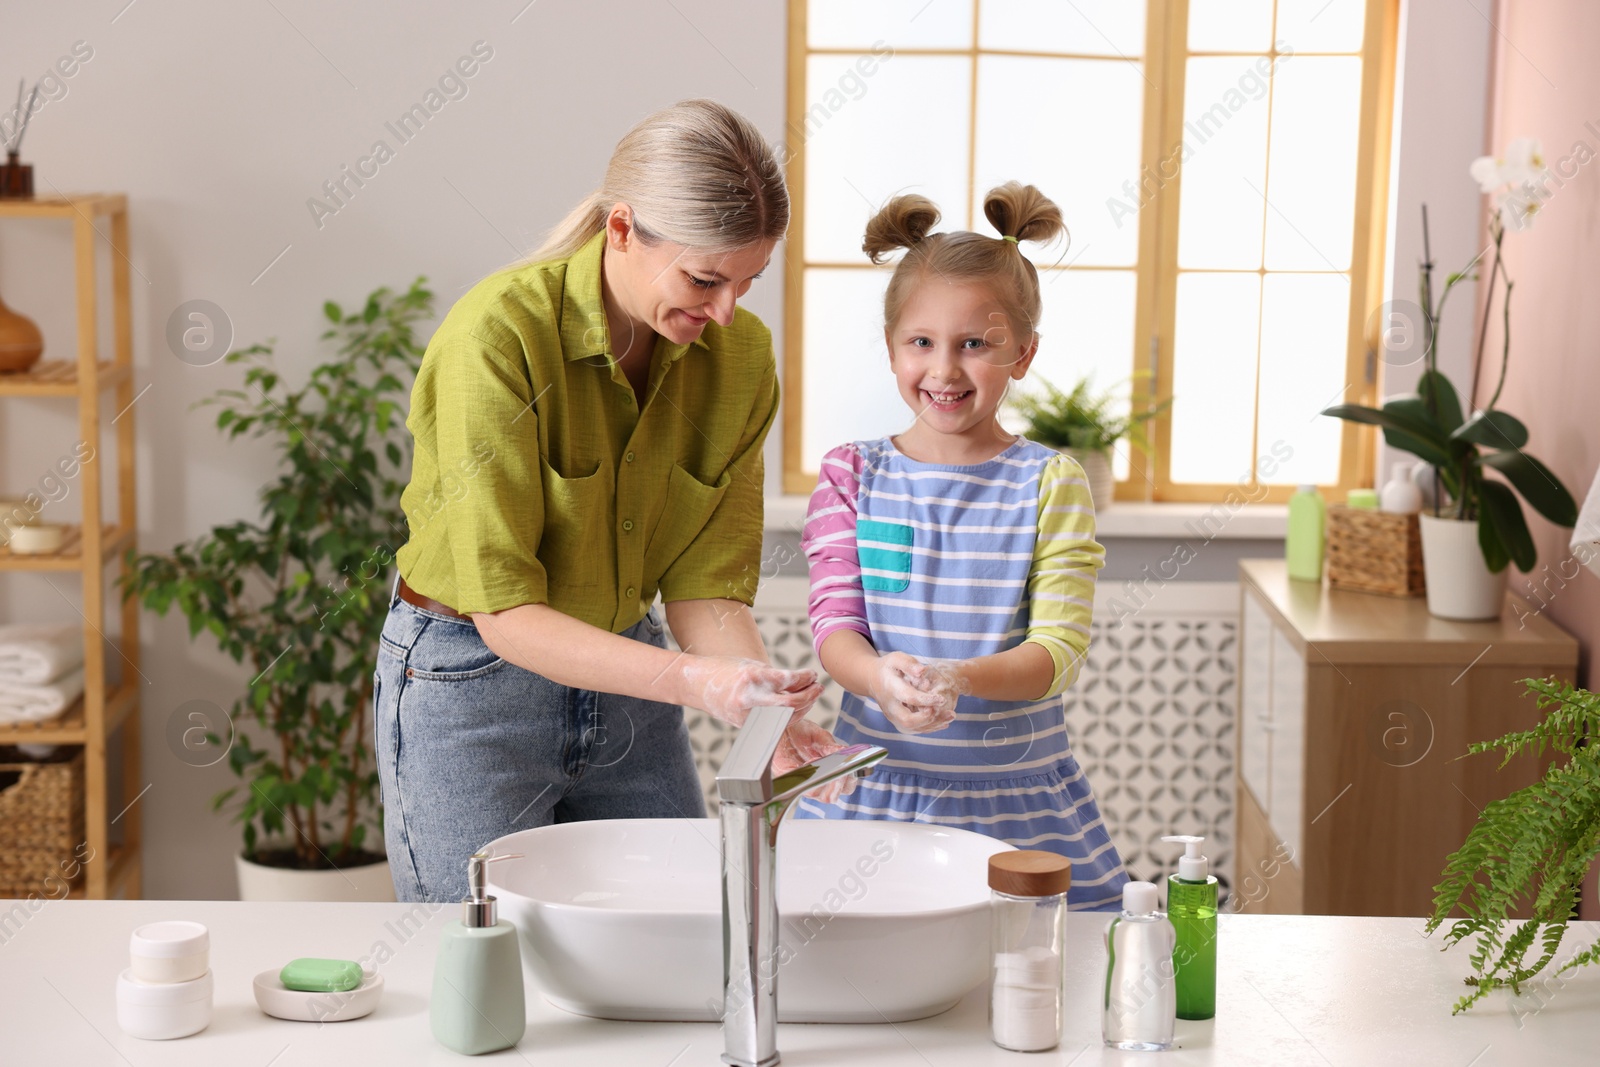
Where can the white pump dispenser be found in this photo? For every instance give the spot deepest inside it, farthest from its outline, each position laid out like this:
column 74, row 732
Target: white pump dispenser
column 1192, row 866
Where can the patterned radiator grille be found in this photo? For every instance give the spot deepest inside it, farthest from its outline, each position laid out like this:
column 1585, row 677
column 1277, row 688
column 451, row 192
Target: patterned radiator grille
column 1151, row 716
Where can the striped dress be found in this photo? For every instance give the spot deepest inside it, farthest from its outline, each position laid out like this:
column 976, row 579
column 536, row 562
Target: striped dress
column 953, row 562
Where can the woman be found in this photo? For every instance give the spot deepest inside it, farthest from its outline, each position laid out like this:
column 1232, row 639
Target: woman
column 588, row 428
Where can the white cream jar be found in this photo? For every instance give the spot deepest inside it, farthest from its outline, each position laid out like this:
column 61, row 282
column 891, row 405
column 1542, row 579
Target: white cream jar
column 160, row 1011
column 173, row 951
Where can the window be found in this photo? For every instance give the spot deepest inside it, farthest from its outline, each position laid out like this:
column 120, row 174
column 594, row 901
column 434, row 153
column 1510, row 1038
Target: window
column 1221, row 165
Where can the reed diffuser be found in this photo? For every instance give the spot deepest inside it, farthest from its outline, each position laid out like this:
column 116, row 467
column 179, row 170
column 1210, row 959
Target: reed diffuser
column 16, row 178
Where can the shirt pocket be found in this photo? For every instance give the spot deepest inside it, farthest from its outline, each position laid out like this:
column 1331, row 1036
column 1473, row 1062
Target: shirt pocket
column 688, row 506
column 576, row 539
column 884, row 551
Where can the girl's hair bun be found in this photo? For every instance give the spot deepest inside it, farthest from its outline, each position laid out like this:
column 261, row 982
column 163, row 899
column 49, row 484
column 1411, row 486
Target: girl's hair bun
column 902, row 223
column 1023, row 212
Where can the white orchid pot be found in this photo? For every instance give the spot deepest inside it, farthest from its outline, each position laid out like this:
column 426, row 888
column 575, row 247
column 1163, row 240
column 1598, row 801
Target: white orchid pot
column 1460, row 583
column 369, row 882
column 1096, row 464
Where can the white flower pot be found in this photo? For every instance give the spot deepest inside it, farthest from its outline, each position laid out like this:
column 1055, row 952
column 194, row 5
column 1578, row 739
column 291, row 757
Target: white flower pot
column 1096, row 466
column 369, row 882
column 1460, row 583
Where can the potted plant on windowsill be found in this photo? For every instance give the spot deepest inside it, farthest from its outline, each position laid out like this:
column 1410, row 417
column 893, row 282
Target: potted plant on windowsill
column 1085, row 426
column 1477, row 525
column 299, row 598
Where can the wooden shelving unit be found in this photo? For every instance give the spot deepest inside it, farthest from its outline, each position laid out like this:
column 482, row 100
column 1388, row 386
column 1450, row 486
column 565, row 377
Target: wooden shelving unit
column 96, row 542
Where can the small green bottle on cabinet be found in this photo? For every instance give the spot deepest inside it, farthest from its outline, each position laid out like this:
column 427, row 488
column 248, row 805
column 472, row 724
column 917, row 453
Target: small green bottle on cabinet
column 477, row 1004
column 1307, row 527
column 1192, row 909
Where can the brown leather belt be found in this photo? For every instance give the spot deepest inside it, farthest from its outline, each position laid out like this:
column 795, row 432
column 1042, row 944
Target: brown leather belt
column 416, row 599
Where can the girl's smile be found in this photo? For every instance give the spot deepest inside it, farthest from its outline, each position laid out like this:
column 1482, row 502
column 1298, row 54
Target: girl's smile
column 953, row 353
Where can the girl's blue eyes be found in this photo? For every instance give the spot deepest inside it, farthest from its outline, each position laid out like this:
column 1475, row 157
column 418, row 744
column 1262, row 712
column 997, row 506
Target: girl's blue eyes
column 971, row 342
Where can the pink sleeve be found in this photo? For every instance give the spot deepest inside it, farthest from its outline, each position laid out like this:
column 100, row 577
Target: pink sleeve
column 829, row 542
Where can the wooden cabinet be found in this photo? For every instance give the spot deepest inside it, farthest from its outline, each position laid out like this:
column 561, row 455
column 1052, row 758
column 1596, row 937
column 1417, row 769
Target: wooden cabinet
column 1352, row 711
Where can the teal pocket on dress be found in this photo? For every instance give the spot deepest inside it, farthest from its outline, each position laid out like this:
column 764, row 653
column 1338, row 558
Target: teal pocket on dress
column 884, row 550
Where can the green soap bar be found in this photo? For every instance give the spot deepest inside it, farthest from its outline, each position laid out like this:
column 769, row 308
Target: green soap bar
column 321, row 976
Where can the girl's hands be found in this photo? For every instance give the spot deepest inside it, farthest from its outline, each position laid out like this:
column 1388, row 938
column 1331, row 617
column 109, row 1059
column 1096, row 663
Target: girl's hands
column 918, row 697
column 727, row 687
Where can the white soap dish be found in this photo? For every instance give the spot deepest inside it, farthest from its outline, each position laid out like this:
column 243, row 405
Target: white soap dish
column 304, row 1006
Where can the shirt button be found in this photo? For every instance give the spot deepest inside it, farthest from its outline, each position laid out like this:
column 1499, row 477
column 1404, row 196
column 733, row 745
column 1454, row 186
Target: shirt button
column 629, row 457
column 630, row 592
column 627, row 524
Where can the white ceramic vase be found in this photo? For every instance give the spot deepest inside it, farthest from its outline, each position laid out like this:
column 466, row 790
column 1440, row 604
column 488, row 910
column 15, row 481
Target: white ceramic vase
column 1096, row 464
column 1460, row 583
column 369, row 882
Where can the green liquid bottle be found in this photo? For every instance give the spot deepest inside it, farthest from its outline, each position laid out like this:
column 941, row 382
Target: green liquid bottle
column 1192, row 909
column 1304, row 544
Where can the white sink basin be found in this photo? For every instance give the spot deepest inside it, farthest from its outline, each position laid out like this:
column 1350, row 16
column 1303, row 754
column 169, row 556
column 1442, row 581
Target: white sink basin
column 622, row 919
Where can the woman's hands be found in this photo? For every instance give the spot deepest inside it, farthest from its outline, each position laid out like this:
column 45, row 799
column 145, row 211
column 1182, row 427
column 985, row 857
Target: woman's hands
column 727, row 687
column 806, row 741
column 917, row 696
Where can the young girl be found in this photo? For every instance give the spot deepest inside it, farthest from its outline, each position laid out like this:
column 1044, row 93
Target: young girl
column 957, row 560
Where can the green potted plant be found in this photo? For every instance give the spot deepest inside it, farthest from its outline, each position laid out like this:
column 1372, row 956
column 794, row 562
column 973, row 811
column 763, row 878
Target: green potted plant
column 298, row 598
column 1477, row 525
column 1528, row 853
column 1086, row 426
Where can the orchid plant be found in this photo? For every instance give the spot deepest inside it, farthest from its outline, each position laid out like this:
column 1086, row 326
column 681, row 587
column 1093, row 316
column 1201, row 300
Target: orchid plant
column 1430, row 423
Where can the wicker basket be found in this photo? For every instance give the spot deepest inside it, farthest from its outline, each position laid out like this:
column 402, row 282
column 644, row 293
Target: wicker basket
column 41, row 822
column 1374, row 552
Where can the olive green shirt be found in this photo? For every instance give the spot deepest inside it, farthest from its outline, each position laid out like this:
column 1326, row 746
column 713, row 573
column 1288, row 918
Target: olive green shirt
column 537, row 478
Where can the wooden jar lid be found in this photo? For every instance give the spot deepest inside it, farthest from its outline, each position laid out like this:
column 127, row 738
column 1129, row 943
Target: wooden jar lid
column 1029, row 873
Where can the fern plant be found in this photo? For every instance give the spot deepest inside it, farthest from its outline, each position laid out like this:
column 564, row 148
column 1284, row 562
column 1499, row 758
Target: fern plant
column 1530, row 851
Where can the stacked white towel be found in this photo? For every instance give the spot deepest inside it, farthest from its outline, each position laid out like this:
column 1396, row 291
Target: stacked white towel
column 41, row 671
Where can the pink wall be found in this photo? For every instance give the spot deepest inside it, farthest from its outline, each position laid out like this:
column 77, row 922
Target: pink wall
column 1546, row 84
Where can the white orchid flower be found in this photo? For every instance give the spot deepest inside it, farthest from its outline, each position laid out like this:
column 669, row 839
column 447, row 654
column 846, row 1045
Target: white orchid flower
column 1517, row 181
column 1520, row 203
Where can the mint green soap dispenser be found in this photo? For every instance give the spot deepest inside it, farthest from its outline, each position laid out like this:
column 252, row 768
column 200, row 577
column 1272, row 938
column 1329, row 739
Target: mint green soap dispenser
column 1307, row 527
column 1192, row 910
column 477, row 1003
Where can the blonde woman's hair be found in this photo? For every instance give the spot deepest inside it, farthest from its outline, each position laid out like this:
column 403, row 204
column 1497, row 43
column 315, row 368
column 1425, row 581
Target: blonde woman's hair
column 1019, row 212
column 697, row 174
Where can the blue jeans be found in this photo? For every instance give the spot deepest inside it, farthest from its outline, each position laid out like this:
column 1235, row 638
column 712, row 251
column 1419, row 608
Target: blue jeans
column 471, row 747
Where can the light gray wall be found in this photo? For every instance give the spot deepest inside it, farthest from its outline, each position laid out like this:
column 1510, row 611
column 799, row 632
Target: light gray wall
column 219, row 121
column 1441, row 101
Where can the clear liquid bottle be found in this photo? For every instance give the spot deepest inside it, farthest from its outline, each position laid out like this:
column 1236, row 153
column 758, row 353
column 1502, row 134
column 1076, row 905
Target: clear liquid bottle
column 1028, row 907
column 1192, row 909
column 1140, row 1004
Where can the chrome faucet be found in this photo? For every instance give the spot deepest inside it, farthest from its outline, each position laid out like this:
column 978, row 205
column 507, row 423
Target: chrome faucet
column 753, row 804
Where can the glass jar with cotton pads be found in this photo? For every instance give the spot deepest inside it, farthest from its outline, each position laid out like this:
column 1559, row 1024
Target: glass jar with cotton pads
column 1028, row 908
column 166, row 952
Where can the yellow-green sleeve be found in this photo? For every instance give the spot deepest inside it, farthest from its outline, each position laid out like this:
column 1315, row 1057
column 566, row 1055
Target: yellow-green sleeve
column 724, row 559
column 481, row 529
column 1066, row 560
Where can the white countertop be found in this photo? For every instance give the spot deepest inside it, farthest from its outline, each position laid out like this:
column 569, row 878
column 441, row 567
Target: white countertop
column 1290, row 990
